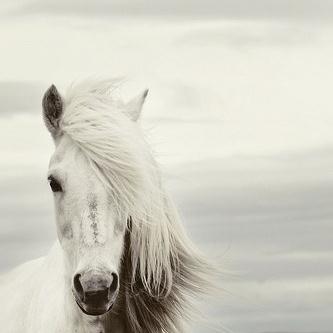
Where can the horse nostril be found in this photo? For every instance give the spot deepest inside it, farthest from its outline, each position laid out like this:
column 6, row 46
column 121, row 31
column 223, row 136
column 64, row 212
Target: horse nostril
column 78, row 286
column 114, row 285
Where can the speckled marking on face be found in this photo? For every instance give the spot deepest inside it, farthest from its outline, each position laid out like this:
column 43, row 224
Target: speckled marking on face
column 93, row 216
column 119, row 227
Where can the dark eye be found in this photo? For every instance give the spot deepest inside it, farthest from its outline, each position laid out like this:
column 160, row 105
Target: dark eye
column 54, row 184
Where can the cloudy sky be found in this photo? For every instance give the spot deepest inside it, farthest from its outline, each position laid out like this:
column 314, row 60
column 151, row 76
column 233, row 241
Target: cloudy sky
column 239, row 114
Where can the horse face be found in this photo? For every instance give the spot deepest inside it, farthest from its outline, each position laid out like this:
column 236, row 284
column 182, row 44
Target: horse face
column 90, row 228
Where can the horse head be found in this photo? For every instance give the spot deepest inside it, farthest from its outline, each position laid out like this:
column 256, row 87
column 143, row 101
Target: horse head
column 91, row 218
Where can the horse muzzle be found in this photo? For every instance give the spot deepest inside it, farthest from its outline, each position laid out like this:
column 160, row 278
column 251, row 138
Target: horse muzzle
column 95, row 291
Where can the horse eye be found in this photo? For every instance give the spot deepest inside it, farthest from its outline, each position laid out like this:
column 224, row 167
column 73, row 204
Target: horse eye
column 54, row 184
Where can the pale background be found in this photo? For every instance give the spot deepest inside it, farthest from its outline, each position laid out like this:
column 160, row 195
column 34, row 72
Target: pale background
column 239, row 114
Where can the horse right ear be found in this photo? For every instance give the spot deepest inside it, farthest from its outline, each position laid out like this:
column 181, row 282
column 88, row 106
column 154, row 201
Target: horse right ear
column 134, row 106
column 52, row 109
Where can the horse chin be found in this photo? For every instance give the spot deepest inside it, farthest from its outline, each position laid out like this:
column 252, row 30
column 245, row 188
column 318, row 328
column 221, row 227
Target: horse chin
column 92, row 311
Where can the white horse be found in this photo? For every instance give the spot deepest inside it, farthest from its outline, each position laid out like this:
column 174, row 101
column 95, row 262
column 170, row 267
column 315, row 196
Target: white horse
column 122, row 262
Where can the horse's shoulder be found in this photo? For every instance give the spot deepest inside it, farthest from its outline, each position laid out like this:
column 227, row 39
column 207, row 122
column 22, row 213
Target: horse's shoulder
column 16, row 288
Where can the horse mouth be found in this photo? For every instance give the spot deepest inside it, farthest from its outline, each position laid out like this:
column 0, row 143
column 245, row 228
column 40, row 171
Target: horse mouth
column 93, row 310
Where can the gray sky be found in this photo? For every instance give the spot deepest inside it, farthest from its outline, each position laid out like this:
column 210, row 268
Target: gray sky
column 239, row 114
column 239, row 9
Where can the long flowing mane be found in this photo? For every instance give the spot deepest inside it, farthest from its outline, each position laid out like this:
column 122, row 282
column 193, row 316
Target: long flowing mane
column 161, row 269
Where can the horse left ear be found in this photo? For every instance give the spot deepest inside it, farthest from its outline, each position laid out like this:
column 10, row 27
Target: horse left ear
column 52, row 109
column 133, row 107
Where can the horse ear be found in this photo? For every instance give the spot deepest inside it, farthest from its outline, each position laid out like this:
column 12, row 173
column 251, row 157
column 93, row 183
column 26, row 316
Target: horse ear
column 52, row 109
column 134, row 106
